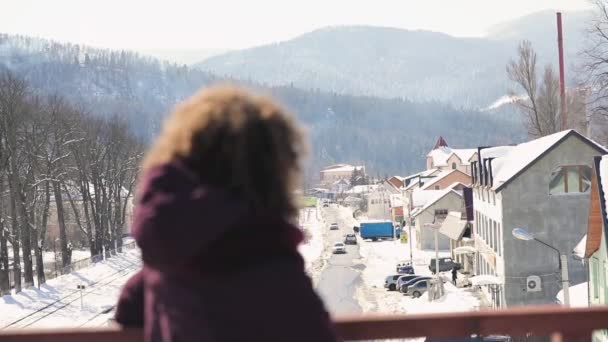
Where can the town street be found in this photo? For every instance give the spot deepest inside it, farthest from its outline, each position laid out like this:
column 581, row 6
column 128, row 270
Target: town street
column 341, row 276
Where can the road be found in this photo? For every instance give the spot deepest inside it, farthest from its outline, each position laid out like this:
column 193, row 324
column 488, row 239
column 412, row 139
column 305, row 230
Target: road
column 340, row 278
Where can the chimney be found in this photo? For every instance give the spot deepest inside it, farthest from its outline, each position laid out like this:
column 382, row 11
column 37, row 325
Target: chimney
column 490, row 171
column 485, row 171
column 473, row 171
column 480, row 165
column 562, row 82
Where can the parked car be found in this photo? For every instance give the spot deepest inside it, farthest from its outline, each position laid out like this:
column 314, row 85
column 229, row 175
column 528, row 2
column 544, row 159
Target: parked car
column 445, row 264
column 406, row 278
column 418, row 288
column 403, row 286
column 405, row 269
column 391, row 282
column 334, row 226
column 325, row 205
column 350, row 239
column 339, row 248
column 356, row 229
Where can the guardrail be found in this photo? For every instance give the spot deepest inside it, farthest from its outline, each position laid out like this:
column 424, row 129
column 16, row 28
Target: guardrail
column 561, row 324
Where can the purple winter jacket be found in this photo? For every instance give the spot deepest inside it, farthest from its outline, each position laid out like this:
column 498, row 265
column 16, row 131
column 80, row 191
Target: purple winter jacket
column 214, row 270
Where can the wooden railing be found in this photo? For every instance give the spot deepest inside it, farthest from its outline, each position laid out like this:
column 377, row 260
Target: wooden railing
column 562, row 324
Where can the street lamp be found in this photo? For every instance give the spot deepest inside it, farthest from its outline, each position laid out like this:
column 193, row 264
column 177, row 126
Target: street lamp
column 522, row 234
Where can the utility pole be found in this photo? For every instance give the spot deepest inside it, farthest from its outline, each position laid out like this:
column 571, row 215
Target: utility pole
column 562, row 82
column 565, row 279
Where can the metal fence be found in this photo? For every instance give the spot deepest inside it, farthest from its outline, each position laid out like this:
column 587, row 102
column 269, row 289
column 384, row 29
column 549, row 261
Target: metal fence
column 55, row 269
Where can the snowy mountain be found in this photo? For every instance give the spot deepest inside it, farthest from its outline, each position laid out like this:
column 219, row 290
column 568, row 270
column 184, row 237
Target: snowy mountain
column 388, row 135
column 390, row 62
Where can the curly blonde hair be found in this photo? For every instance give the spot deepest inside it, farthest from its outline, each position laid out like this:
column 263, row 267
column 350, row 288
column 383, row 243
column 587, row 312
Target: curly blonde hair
column 238, row 141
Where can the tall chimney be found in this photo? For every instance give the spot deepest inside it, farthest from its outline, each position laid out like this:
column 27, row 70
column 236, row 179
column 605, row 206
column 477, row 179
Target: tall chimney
column 562, row 82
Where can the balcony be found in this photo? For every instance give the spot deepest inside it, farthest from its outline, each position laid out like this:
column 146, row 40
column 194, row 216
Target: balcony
column 561, row 324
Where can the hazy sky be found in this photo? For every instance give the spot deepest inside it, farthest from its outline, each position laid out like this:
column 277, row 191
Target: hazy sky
column 191, row 24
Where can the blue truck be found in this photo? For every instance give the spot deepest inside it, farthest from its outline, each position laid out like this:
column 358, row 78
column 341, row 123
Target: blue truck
column 377, row 230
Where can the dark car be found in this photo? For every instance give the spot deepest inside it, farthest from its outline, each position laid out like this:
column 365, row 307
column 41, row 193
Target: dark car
column 445, row 264
column 403, row 287
column 405, row 268
column 356, row 229
column 350, row 239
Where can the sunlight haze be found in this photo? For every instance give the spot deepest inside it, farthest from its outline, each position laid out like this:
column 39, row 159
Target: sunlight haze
column 187, row 24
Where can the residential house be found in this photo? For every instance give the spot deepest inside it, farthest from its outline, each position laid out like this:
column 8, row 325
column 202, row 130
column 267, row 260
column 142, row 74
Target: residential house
column 444, row 157
column 397, row 181
column 336, row 172
column 542, row 186
column 396, row 205
column 340, row 186
column 446, row 178
column 378, row 201
column 596, row 246
column 431, row 207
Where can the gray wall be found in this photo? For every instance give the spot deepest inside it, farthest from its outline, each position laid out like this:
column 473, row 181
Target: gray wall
column 560, row 221
column 426, row 237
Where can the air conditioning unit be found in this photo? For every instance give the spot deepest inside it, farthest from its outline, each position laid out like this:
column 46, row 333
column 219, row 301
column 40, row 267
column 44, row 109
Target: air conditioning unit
column 533, row 284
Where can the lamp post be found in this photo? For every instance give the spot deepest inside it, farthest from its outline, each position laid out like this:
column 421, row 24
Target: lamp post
column 435, row 227
column 524, row 235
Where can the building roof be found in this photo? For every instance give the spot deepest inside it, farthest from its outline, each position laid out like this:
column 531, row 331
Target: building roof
column 441, row 175
column 441, row 155
column 420, row 175
column 342, row 168
column 440, row 143
column 598, row 219
column 453, row 226
column 434, row 197
column 361, row 189
column 511, row 161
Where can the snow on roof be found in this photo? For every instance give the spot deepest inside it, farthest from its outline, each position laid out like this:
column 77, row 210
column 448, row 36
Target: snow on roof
column 360, row 189
column 453, row 226
column 442, row 154
column 579, row 295
column 440, row 176
column 341, row 168
column 433, row 198
column 579, row 250
column 514, row 159
column 465, row 249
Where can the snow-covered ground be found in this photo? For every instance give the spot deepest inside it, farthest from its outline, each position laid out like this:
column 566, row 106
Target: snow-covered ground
column 313, row 250
column 378, row 260
column 57, row 303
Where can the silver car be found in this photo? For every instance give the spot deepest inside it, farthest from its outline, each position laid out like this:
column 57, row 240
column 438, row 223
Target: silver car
column 418, row 288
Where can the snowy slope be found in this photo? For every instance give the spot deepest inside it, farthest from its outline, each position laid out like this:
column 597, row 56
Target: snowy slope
column 57, row 303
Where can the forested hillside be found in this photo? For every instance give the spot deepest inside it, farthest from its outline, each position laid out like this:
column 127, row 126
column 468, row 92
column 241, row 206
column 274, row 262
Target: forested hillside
column 391, row 62
column 389, row 135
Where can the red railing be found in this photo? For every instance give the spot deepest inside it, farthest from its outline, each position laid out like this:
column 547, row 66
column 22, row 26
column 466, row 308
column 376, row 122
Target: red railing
column 562, row 324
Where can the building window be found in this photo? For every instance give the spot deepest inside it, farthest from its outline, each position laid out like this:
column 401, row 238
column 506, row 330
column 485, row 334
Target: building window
column 495, row 230
column 453, row 166
column 441, row 213
column 436, row 187
column 570, row 179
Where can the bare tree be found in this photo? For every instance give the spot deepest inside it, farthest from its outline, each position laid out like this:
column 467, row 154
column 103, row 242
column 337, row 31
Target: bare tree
column 540, row 102
column 596, row 59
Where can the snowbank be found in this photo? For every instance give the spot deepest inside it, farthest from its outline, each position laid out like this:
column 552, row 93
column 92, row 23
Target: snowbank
column 312, row 225
column 103, row 282
column 579, row 295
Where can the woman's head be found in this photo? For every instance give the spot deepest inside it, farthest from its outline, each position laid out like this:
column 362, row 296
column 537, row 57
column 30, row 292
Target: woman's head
column 232, row 139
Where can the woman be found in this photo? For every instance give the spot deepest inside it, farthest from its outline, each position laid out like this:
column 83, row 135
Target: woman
column 214, row 226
